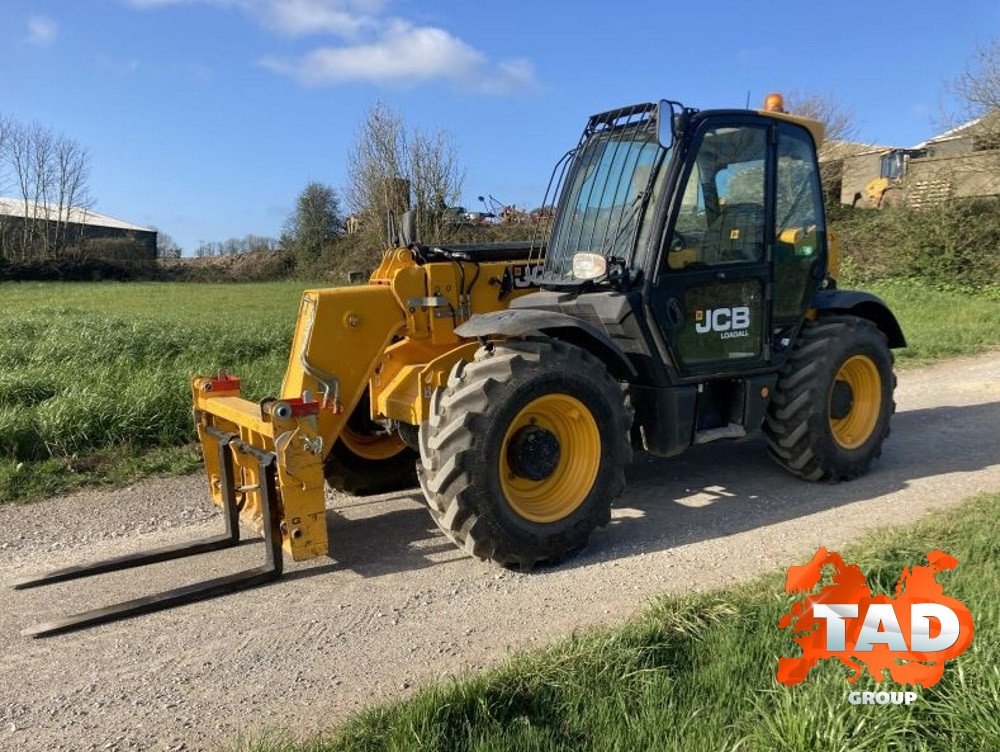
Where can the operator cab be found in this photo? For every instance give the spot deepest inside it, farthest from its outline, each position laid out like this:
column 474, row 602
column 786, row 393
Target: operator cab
column 716, row 217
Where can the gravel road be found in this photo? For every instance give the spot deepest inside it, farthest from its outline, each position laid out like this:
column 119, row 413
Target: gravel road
column 396, row 606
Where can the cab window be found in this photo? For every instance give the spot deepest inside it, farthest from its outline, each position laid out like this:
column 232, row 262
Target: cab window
column 800, row 235
column 721, row 217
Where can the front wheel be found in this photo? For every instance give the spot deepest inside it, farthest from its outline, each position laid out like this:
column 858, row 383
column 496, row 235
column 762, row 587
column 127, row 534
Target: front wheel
column 833, row 401
column 524, row 452
column 368, row 458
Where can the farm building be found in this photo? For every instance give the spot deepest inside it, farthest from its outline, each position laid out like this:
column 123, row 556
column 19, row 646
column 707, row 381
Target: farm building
column 963, row 162
column 30, row 229
column 848, row 167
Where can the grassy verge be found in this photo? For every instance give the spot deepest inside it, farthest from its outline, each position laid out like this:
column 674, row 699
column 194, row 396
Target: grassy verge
column 698, row 673
column 94, row 377
column 113, row 468
column 941, row 323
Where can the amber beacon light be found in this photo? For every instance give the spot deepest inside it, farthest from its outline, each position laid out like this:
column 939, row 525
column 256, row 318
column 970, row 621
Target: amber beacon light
column 774, row 103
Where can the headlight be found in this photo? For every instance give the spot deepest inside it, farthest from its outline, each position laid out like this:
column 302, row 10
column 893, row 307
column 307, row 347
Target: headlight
column 589, row 265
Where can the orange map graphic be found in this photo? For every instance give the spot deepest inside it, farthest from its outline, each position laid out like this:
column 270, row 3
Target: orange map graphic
column 917, row 585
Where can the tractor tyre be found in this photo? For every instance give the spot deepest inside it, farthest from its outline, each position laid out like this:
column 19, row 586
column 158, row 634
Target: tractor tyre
column 832, row 404
column 524, row 451
column 368, row 459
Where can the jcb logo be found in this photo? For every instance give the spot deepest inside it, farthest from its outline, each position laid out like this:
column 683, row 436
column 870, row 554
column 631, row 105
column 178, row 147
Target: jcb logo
column 722, row 319
column 528, row 275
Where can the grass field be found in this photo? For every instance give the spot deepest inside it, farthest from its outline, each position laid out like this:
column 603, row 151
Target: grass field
column 698, row 673
column 939, row 323
column 94, row 377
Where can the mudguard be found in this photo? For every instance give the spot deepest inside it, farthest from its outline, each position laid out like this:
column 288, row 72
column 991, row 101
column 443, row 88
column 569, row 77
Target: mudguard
column 526, row 321
column 862, row 304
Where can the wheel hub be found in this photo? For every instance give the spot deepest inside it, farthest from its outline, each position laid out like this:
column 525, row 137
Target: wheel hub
column 549, row 458
column 855, row 401
column 533, row 453
column 841, row 400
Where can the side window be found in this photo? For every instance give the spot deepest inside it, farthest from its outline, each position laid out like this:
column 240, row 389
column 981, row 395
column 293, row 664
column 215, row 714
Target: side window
column 891, row 165
column 721, row 215
column 799, row 230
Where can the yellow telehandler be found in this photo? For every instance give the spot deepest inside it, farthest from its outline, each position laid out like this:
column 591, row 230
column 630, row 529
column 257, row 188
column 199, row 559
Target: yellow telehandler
column 685, row 294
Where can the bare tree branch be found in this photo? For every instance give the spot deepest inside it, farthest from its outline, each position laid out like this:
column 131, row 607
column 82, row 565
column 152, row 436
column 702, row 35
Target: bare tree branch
column 978, row 86
column 49, row 173
column 391, row 169
column 839, row 122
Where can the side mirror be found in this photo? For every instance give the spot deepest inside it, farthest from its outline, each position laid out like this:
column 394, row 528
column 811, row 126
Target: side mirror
column 665, row 124
column 671, row 122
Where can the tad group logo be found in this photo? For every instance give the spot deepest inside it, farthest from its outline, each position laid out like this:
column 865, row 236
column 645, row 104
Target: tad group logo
column 910, row 635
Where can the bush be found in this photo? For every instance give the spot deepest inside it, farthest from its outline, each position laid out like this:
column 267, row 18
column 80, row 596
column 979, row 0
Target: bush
column 256, row 266
column 73, row 269
column 950, row 245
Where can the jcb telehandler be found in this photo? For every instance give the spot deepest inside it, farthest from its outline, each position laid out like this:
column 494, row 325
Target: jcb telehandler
column 686, row 294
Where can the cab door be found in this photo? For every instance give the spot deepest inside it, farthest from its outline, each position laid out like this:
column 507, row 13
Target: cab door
column 710, row 296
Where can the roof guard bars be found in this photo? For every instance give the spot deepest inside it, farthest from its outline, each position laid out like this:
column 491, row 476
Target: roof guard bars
column 269, row 571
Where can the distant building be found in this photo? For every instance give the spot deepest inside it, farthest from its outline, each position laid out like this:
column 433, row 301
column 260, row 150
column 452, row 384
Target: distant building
column 848, row 167
column 51, row 226
column 963, row 162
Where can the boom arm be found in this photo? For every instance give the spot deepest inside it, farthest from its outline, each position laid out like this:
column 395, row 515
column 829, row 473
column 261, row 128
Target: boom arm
column 394, row 336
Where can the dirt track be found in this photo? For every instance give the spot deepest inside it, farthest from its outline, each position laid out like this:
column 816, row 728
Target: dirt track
column 397, row 606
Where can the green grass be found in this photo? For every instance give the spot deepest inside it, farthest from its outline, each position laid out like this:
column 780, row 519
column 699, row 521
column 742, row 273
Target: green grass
column 941, row 323
column 94, row 377
column 106, row 467
column 698, row 673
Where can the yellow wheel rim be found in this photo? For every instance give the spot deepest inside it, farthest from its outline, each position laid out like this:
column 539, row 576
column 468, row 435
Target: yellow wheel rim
column 854, row 427
column 568, row 422
column 377, row 447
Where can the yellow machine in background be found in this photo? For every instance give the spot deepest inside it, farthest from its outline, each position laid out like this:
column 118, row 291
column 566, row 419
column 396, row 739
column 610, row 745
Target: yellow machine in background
column 887, row 189
column 877, row 189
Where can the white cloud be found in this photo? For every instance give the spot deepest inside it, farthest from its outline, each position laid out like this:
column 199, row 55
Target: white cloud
column 42, row 31
column 371, row 47
column 292, row 17
column 403, row 54
column 299, row 17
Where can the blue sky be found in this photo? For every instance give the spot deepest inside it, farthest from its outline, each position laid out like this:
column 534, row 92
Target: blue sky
column 206, row 118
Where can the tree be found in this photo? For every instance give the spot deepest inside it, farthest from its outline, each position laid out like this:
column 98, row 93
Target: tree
column 392, row 169
column 436, row 177
column 316, row 221
column 235, row 246
column 72, row 169
column 207, row 249
column 49, row 174
column 977, row 89
column 838, row 121
column 978, row 86
column 167, row 247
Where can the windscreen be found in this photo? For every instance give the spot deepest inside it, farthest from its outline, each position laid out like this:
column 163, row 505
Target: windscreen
column 604, row 196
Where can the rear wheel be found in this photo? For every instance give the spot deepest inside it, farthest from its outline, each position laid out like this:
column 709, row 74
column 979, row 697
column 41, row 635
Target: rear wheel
column 524, row 452
column 831, row 408
column 368, row 458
